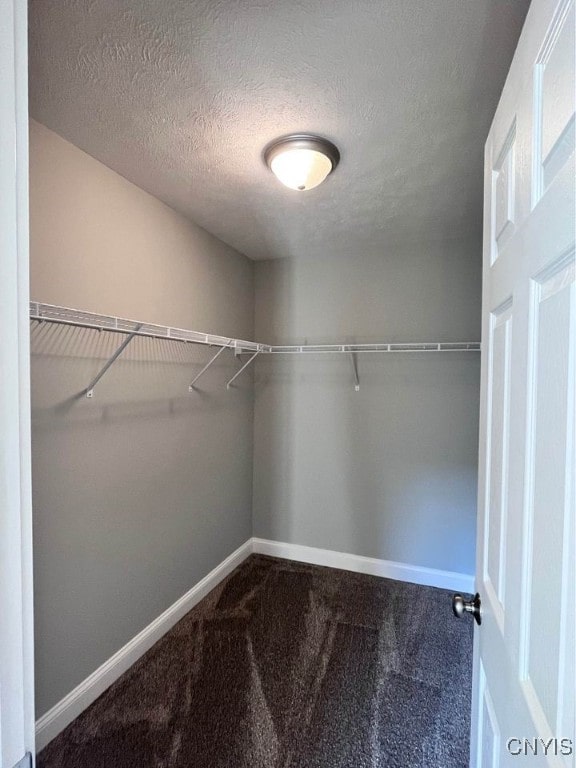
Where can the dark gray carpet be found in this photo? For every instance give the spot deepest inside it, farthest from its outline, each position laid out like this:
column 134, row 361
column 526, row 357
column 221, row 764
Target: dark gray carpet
column 287, row 665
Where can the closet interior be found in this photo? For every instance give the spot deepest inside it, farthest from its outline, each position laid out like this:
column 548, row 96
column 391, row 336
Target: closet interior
column 246, row 537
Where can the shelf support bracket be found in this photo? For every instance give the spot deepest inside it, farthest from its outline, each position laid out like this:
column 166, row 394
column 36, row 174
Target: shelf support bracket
column 191, row 387
column 355, row 371
column 246, row 364
column 90, row 388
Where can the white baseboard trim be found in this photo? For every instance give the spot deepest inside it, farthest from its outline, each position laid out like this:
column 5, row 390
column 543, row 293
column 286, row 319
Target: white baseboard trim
column 62, row 714
column 414, row 574
column 72, row 705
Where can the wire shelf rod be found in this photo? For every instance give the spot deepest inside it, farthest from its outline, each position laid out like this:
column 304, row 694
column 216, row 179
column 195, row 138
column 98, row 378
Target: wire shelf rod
column 464, row 346
column 74, row 317
column 66, row 316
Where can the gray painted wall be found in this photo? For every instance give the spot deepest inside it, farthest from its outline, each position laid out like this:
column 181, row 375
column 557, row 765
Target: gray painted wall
column 390, row 471
column 141, row 491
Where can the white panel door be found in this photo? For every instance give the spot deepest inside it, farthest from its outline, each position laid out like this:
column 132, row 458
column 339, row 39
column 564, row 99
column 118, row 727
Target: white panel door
column 524, row 675
column 16, row 633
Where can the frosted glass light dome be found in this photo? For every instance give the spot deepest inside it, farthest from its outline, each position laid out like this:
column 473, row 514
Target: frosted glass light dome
column 302, row 162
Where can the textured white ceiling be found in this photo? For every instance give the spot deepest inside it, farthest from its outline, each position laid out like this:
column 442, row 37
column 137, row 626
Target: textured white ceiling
column 181, row 97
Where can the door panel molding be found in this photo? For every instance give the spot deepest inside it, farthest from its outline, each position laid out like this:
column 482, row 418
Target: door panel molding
column 523, row 664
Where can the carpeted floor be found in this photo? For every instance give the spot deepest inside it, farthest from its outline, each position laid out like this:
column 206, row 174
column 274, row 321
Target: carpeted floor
column 287, row 665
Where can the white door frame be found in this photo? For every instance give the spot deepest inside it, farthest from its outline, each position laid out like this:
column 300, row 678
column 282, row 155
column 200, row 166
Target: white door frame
column 16, row 591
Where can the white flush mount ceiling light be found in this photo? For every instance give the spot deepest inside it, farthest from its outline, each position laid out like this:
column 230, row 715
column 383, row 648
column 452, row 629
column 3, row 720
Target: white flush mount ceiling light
column 301, row 161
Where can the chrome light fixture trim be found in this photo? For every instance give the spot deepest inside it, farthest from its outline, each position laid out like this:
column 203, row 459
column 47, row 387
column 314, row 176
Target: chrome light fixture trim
column 308, row 144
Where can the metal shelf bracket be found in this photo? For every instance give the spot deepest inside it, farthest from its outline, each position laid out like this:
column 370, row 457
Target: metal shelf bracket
column 191, row 386
column 246, row 364
column 355, row 371
column 90, row 388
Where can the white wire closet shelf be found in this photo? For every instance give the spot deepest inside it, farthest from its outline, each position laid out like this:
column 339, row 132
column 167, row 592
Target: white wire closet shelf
column 425, row 346
column 75, row 317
